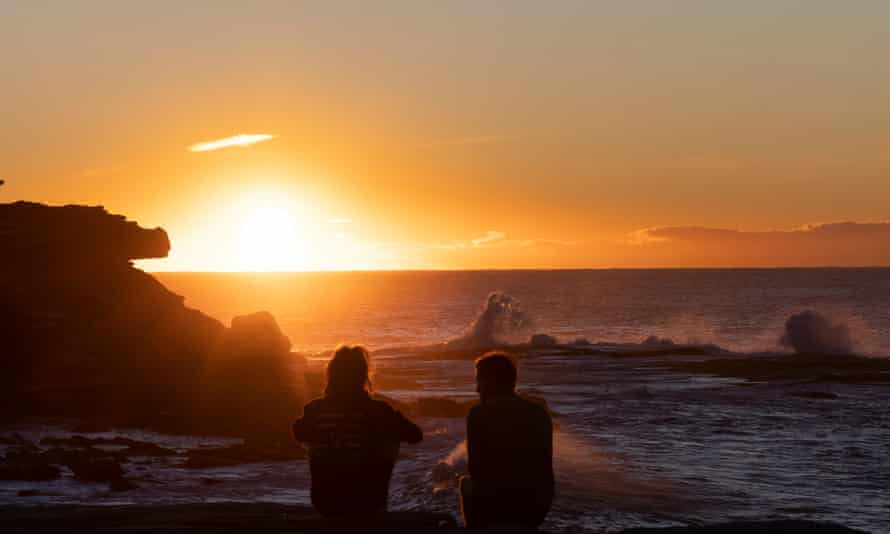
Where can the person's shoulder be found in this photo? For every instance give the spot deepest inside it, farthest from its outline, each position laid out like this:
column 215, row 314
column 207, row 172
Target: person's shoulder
column 381, row 405
column 314, row 405
column 476, row 411
column 536, row 409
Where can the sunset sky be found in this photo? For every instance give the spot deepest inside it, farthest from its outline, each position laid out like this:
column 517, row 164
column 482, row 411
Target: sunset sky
column 513, row 134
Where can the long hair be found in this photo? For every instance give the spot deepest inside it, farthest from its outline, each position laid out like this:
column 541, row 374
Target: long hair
column 349, row 371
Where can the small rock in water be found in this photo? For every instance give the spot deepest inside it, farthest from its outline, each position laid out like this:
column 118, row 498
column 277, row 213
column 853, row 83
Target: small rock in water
column 655, row 341
column 35, row 493
column 92, row 469
column 122, row 484
column 15, row 439
column 543, row 341
column 825, row 395
column 28, row 463
column 28, row 467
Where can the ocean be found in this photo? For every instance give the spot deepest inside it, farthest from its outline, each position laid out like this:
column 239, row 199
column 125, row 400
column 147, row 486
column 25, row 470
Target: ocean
column 738, row 309
column 639, row 443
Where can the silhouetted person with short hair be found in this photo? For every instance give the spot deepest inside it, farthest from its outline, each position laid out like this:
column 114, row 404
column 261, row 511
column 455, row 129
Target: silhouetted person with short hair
column 510, row 452
column 353, row 440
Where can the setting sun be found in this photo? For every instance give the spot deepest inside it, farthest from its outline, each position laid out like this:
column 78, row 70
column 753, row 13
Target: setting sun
column 273, row 228
column 270, row 238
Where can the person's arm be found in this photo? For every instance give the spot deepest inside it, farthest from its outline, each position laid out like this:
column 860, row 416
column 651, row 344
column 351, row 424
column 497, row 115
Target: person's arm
column 306, row 429
column 396, row 425
column 546, row 437
column 303, row 429
column 473, row 459
column 549, row 425
column 407, row 430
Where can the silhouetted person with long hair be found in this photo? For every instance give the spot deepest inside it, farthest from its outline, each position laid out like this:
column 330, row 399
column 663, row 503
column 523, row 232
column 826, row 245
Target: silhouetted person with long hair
column 510, row 452
column 353, row 440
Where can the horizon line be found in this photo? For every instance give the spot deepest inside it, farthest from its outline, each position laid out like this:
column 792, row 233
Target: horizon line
column 527, row 269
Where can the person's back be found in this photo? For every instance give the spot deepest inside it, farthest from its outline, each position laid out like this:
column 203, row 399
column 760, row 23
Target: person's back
column 353, row 444
column 510, row 452
column 509, row 441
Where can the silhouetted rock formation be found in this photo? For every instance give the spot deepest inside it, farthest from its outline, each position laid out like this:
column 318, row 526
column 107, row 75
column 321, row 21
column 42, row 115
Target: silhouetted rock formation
column 31, row 233
column 85, row 334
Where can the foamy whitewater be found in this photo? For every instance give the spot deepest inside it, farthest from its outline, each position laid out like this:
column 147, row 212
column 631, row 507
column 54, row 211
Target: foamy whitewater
column 638, row 444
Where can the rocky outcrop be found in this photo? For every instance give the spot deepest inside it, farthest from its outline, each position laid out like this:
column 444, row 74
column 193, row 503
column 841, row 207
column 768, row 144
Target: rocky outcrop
column 85, row 334
column 33, row 233
column 267, row 518
column 256, row 518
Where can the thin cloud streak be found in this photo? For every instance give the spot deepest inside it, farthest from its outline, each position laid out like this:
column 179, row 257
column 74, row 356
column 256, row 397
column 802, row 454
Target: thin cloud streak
column 490, row 237
column 499, row 240
column 241, row 140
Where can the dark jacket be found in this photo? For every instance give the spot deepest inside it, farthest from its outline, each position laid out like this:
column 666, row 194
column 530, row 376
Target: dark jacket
column 353, row 443
column 510, row 455
column 510, row 445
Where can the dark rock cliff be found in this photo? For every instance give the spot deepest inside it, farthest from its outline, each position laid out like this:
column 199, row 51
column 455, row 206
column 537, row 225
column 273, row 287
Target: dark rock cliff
column 85, row 334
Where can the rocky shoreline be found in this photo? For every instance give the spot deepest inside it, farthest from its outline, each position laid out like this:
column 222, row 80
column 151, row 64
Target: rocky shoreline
column 262, row 518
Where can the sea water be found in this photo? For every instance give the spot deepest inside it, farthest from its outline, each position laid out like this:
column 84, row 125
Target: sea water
column 637, row 444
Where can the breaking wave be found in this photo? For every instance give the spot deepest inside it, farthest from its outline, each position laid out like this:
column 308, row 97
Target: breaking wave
column 503, row 323
column 810, row 332
column 501, row 320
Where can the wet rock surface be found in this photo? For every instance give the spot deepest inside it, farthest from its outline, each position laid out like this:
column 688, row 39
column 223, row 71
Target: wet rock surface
column 27, row 467
column 803, row 367
column 819, row 395
column 241, row 454
column 752, row 527
column 28, row 462
column 131, row 447
column 102, row 459
column 272, row 518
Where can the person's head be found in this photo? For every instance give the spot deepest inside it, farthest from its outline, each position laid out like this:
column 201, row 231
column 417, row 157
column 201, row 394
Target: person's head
column 348, row 371
column 495, row 374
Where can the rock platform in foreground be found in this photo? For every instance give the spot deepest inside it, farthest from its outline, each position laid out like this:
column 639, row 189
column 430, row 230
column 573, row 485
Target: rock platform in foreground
column 261, row 518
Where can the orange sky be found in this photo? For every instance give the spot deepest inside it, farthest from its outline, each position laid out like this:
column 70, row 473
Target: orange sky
column 460, row 135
